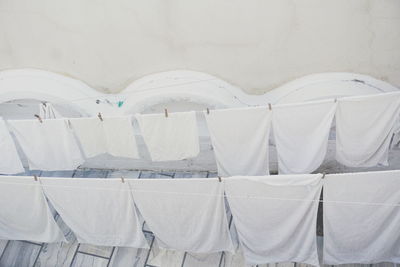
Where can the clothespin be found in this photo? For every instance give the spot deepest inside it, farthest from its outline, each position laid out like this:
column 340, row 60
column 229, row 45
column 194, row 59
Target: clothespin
column 35, row 178
column 44, row 104
column 219, row 179
column 166, row 113
column 323, row 175
column 335, row 100
column 100, row 117
column 269, row 106
column 208, row 111
column 38, row 117
column 122, row 179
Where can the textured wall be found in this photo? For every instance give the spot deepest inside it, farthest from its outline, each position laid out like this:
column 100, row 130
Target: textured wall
column 255, row 44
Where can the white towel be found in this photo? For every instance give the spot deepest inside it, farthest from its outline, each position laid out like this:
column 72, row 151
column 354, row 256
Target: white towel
column 98, row 211
column 276, row 217
column 113, row 135
column 301, row 133
column 362, row 218
column 49, row 146
column 24, row 213
column 170, row 138
column 364, row 127
column 240, row 140
column 10, row 162
column 184, row 214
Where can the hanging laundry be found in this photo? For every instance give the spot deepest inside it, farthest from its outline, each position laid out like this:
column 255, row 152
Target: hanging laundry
column 10, row 163
column 362, row 218
column 112, row 135
column 170, row 138
column 184, row 214
column 24, row 213
column 301, row 133
column 364, row 128
column 98, row 211
column 276, row 217
column 47, row 111
column 240, row 140
column 49, row 145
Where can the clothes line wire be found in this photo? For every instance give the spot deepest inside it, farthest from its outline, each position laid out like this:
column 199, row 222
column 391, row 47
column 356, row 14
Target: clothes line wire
column 208, row 195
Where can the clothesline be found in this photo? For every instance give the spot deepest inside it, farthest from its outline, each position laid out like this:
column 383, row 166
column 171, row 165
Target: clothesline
column 194, row 194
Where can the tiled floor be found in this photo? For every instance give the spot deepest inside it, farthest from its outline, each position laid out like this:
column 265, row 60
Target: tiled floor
column 28, row 254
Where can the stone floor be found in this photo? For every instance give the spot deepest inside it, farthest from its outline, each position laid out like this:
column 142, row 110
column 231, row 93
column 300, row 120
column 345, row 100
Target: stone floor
column 31, row 254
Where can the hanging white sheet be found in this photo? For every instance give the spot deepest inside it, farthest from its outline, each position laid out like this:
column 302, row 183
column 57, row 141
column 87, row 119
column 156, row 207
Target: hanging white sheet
column 301, row 133
column 113, row 135
column 276, row 217
column 24, row 213
column 364, row 128
column 47, row 111
column 240, row 140
column 362, row 218
column 98, row 211
column 49, row 146
column 170, row 138
column 10, row 163
column 184, row 214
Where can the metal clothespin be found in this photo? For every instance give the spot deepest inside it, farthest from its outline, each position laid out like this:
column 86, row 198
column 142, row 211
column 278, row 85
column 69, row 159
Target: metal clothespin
column 38, row 117
column 323, row 175
column 269, row 106
column 208, row 111
column 100, row 117
column 122, row 179
column 35, row 178
column 166, row 113
column 219, row 179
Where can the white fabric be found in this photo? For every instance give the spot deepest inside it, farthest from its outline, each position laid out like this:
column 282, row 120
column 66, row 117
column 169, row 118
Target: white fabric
column 301, row 134
column 170, row 138
column 184, row 214
column 113, row 135
column 276, row 217
column 49, row 146
column 240, row 140
column 24, row 213
column 10, row 163
column 98, row 211
column 362, row 218
column 47, row 111
column 364, row 128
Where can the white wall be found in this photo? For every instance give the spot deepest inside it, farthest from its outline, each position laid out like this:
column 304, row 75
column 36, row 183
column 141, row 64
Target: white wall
column 254, row 44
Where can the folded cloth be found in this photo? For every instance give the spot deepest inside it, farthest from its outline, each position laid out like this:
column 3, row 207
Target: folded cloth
column 364, row 128
column 98, row 211
column 170, row 138
column 24, row 213
column 10, row 163
column 276, row 217
column 362, row 218
column 240, row 140
column 301, row 133
column 184, row 214
column 113, row 135
column 49, row 145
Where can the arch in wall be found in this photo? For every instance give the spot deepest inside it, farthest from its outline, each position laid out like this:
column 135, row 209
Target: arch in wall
column 47, row 86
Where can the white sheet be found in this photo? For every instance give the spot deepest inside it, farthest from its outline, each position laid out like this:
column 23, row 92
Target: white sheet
column 240, row 140
column 24, row 213
column 364, row 127
column 301, row 133
column 362, row 218
column 10, row 163
column 49, row 146
column 113, row 135
column 47, row 111
column 98, row 211
column 170, row 138
column 276, row 217
column 184, row 214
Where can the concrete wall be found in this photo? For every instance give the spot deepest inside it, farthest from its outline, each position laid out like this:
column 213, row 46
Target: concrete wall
column 254, row 44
